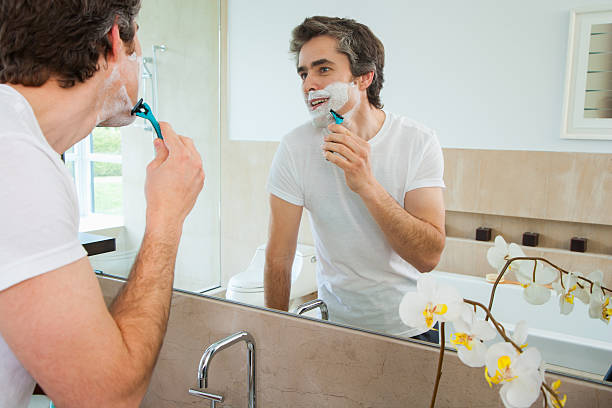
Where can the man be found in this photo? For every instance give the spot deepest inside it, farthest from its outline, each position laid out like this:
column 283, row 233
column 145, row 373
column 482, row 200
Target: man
column 372, row 185
column 67, row 66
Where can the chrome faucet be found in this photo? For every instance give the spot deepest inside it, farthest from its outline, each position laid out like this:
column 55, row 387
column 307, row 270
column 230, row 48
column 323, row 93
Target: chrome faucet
column 209, row 353
column 313, row 304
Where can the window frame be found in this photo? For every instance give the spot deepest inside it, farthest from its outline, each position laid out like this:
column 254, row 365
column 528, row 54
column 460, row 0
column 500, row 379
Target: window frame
column 82, row 156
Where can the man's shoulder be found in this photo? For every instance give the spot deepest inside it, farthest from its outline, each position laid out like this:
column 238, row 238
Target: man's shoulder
column 410, row 126
column 409, row 131
column 14, row 109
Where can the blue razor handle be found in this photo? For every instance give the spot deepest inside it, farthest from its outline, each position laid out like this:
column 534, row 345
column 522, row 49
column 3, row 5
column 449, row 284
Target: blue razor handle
column 143, row 110
column 338, row 118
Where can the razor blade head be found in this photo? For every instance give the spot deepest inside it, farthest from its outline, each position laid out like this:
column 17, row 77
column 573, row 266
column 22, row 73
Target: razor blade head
column 140, row 107
column 337, row 117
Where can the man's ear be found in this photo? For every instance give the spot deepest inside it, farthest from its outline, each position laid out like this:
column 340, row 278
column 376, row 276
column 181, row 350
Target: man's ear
column 116, row 44
column 365, row 80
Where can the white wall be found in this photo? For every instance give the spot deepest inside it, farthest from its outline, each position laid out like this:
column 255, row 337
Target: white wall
column 485, row 74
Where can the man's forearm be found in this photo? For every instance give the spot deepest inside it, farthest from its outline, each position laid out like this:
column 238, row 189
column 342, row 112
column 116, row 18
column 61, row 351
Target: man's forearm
column 416, row 241
column 142, row 308
column 277, row 286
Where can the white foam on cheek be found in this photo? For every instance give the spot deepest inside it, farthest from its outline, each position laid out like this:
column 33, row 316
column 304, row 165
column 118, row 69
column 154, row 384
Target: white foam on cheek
column 338, row 94
column 116, row 110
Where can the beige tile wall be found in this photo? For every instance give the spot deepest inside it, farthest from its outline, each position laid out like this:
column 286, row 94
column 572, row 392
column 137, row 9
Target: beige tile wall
column 303, row 364
column 571, row 187
column 558, row 195
column 244, row 203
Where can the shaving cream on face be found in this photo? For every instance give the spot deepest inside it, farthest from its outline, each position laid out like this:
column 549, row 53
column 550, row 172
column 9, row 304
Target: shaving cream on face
column 116, row 110
column 336, row 96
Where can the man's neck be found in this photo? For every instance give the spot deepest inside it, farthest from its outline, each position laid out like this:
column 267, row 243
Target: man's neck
column 65, row 115
column 367, row 121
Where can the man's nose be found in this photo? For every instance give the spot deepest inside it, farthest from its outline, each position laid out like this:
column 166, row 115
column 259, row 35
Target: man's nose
column 310, row 84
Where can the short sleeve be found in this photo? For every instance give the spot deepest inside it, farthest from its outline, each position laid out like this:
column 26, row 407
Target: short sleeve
column 430, row 171
column 38, row 213
column 284, row 180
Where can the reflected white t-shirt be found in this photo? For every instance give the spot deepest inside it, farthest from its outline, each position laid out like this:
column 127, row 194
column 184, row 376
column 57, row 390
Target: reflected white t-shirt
column 360, row 277
column 39, row 220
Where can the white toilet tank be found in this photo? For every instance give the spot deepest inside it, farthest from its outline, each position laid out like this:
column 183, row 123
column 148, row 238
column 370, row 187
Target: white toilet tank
column 248, row 287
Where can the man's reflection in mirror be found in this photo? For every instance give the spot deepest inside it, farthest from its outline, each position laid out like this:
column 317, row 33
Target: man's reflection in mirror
column 372, row 184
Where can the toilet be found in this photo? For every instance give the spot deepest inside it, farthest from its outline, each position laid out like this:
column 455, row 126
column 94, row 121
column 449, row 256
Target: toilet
column 248, row 286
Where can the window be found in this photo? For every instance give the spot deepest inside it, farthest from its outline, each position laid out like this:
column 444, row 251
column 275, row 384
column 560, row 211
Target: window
column 587, row 112
column 95, row 165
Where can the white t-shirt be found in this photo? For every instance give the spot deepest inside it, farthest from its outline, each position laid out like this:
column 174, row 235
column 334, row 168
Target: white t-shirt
column 39, row 220
column 360, row 277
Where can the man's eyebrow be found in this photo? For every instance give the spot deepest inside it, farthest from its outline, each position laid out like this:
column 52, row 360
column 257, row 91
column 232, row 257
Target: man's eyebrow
column 322, row 61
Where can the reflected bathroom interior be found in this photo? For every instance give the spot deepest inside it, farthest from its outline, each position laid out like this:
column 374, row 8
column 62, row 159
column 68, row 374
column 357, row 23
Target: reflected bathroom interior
column 225, row 259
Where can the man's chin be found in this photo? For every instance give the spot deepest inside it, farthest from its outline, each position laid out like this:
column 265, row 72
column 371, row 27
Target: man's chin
column 117, row 121
column 321, row 121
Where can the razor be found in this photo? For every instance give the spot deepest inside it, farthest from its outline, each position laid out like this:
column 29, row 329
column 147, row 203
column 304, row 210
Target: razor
column 337, row 117
column 143, row 110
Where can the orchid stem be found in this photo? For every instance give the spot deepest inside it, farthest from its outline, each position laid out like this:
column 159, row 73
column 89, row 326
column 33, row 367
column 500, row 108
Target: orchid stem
column 530, row 258
column 544, row 396
column 439, row 373
column 500, row 329
column 553, row 393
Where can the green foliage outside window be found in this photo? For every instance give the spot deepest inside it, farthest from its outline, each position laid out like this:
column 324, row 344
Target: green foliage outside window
column 106, row 140
column 108, row 194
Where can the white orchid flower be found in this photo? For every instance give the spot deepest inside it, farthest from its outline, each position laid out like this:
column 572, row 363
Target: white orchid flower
column 499, row 254
column 583, row 292
column 533, row 276
column 552, row 401
column 519, row 374
column 429, row 304
column 519, row 335
column 600, row 306
column 470, row 334
column 566, row 288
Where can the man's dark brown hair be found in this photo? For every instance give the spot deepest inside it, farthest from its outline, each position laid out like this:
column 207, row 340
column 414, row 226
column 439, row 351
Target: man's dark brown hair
column 63, row 39
column 364, row 50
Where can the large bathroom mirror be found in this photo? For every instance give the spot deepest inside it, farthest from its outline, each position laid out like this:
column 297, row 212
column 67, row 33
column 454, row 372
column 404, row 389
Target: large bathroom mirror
column 489, row 77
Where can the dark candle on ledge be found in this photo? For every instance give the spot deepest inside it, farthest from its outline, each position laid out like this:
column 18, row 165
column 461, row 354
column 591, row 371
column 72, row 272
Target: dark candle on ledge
column 578, row 244
column 483, row 234
column 531, row 239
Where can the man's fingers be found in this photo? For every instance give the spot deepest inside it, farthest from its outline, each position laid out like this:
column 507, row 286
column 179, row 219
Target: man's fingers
column 161, row 152
column 337, row 160
column 346, row 140
column 348, row 154
column 337, row 128
column 345, row 135
column 171, row 139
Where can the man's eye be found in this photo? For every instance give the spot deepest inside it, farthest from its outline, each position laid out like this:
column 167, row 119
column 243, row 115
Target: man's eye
column 303, row 76
column 324, row 69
